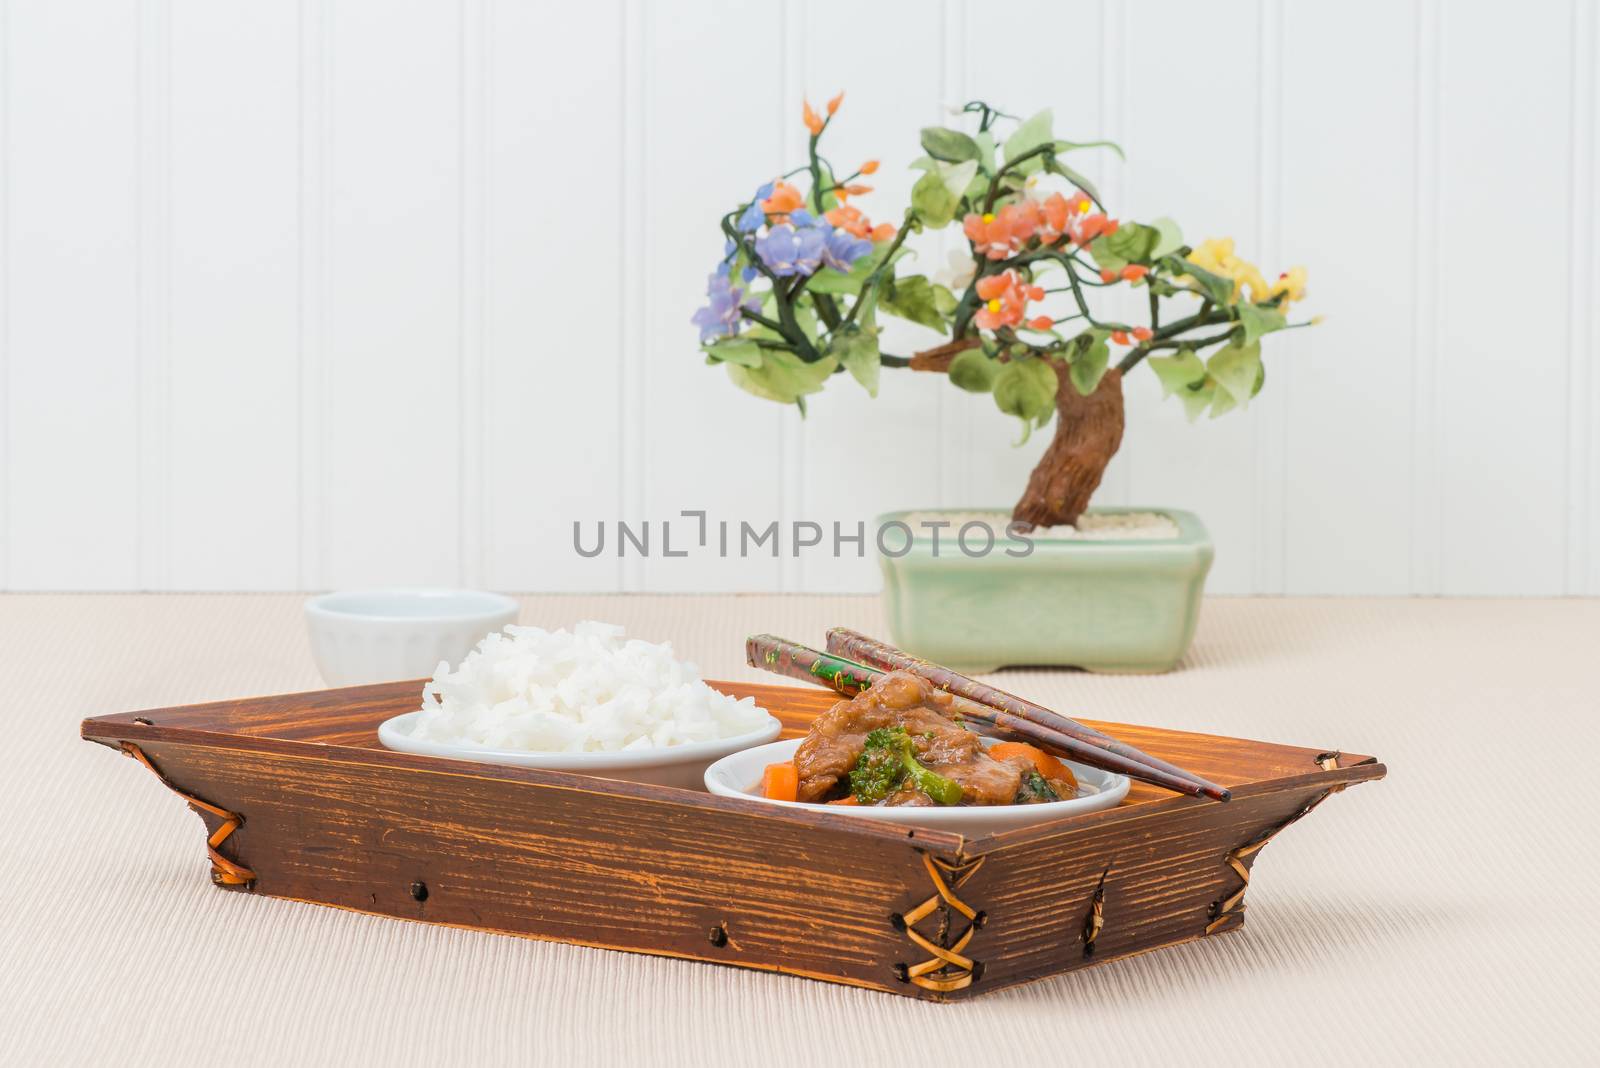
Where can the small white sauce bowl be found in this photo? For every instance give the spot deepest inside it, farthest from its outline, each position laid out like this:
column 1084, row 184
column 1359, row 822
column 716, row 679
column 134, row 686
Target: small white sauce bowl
column 683, row 766
column 739, row 775
column 362, row 636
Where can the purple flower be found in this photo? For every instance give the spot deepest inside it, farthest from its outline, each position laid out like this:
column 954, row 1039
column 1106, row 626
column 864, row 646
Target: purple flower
column 787, row 251
column 722, row 314
column 841, row 250
column 755, row 216
column 752, row 219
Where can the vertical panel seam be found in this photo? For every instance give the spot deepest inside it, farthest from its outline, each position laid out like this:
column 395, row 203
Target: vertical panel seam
column 1426, row 535
column 792, row 432
column 1271, row 429
column 470, row 241
column 486, row 276
column 957, row 423
column 1110, row 168
column 313, row 268
column 5, row 294
column 635, row 198
column 1588, row 355
column 152, row 291
column 1579, row 293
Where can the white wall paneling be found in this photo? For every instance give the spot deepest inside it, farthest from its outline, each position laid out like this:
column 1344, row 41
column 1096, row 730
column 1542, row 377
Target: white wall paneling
column 338, row 292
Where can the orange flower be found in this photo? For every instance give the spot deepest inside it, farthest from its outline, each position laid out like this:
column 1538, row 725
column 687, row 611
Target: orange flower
column 1043, row 322
column 1055, row 216
column 1134, row 271
column 998, row 236
column 1120, row 337
column 870, row 167
column 1142, row 333
column 812, row 120
column 1108, row 276
column 784, row 199
column 848, row 218
column 1005, row 298
column 1094, row 226
column 858, row 190
column 833, row 105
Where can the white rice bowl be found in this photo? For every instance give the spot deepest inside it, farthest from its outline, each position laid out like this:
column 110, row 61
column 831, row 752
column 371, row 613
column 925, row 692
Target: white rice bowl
column 587, row 690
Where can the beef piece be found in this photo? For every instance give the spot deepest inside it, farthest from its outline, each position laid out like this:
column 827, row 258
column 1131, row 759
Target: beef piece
column 983, row 781
column 829, row 752
column 898, row 699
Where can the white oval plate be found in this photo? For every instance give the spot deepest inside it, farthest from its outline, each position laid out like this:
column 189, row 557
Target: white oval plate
column 738, row 775
column 677, row 765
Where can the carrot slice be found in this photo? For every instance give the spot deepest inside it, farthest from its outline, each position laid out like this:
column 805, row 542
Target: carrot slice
column 1042, row 762
column 780, row 782
column 849, row 799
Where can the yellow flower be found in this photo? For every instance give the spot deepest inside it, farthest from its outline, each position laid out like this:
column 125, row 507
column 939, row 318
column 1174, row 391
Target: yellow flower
column 1212, row 254
column 1292, row 284
column 1217, row 256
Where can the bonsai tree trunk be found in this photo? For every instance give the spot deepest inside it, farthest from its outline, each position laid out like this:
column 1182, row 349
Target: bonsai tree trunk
column 1088, row 432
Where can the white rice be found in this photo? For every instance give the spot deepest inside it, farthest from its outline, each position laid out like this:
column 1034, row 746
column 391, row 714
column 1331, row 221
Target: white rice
column 1091, row 526
column 585, row 690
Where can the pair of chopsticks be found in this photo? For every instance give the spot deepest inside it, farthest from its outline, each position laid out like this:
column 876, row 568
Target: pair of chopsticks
column 854, row 662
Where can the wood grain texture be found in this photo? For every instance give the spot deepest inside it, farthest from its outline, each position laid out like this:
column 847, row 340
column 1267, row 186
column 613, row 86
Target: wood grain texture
column 332, row 817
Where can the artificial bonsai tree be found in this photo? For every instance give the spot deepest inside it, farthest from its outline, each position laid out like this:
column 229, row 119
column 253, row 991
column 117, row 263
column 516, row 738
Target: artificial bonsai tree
column 805, row 276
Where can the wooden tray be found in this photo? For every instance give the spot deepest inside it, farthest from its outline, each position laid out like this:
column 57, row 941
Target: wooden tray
column 300, row 801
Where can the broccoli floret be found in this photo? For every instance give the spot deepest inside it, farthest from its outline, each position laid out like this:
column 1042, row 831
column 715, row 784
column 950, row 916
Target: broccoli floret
column 1035, row 788
column 888, row 760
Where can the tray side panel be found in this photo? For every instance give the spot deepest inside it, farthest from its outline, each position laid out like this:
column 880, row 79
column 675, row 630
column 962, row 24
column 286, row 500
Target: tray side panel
column 564, row 865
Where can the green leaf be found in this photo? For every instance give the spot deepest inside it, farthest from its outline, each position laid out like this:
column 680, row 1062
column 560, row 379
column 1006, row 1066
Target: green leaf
column 944, row 301
column 1057, row 167
column 857, row 352
column 1216, row 287
column 837, row 283
column 1257, row 320
column 1261, row 379
column 1073, row 146
column 782, row 376
column 1106, row 257
column 937, row 194
column 957, row 176
column 1177, row 372
column 1197, row 397
column 1235, row 367
column 952, row 146
column 912, row 297
column 1169, row 238
column 1089, row 363
column 1029, row 136
column 1223, row 404
column 974, row 372
column 1026, row 388
column 1132, row 243
column 985, row 143
column 740, row 350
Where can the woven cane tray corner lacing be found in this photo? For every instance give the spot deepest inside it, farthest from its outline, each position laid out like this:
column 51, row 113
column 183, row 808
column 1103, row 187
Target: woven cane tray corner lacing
column 224, row 872
column 1233, row 905
column 948, row 968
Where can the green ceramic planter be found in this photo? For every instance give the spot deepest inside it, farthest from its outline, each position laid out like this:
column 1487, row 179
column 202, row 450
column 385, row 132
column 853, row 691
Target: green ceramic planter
column 1115, row 606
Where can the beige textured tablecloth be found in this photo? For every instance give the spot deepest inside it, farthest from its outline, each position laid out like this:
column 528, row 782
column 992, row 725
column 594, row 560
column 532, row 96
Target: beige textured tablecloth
column 1448, row 914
